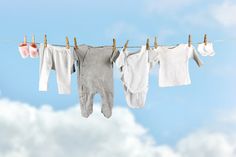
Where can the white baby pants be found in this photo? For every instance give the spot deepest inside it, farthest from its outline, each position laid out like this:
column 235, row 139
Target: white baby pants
column 59, row 58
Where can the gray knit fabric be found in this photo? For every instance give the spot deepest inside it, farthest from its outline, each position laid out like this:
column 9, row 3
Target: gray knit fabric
column 95, row 75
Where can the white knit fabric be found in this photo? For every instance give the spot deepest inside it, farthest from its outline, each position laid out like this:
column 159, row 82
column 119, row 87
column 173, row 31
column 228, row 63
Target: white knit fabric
column 206, row 50
column 135, row 75
column 173, row 61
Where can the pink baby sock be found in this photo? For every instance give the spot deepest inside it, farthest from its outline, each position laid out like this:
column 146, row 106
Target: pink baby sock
column 33, row 50
column 24, row 51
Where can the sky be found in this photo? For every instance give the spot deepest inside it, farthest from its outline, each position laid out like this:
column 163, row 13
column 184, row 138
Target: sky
column 198, row 119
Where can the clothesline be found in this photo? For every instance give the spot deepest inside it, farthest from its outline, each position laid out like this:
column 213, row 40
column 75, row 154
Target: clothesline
column 109, row 45
column 95, row 70
column 213, row 41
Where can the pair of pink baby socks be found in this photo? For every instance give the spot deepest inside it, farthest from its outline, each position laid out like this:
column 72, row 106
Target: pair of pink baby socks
column 28, row 50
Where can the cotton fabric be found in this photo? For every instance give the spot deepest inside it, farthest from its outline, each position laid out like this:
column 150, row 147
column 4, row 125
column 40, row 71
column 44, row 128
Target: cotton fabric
column 62, row 60
column 24, row 51
column 173, row 64
column 134, row 69
column 206, row 50
column 95, row 76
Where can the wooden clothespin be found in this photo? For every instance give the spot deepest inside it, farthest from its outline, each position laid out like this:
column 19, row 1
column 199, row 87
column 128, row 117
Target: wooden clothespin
column 67, row 43
column 114, row 45
column 147, row 44
column 33, row 39
column 25, row 40
column 155, row 43
column 126, row 45
column 45, row 41
column 189, row 40
column 75, row 43
column 205, row 39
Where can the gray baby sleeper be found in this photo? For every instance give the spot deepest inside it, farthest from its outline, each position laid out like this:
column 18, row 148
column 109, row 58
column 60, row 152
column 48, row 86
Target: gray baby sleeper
column 95, row 75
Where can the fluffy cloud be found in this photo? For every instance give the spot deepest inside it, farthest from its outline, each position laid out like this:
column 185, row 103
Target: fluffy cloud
column 122, row 29
column 27, row 131
column 225, row 13
column 167, row 6
column 205, row 14
column 207, row 144
column 227, row 117
column 43, row 132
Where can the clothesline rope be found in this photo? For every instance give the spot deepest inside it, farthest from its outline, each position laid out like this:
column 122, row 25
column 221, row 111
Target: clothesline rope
column 214, row 41
column 123, row 46
column 194, row 43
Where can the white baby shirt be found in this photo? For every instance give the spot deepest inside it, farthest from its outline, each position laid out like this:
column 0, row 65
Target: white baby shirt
column 173, row 64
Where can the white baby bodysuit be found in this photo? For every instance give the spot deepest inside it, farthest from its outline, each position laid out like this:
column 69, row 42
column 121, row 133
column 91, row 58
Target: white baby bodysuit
column 206, row 50
column 173, row 61
column 135, row 74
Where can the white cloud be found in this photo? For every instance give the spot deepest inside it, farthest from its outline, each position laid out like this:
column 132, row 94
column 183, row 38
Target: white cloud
column 125, row 31
column 224, row 13
column 203, row 15
column 227, row 117
column 201, row 19
column 121, row 30
column 207, row 144
column 27, row 131
column 167, row 6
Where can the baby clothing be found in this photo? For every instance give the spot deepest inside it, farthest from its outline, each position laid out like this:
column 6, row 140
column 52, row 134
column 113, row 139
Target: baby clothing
column 26, row 51
column 206, row 50
column 33, row 51
column 95, row 75
column 59, row 59
column 173, row 61
column 134, row 69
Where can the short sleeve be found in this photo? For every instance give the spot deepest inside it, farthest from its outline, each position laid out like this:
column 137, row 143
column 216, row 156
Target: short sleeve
column 193, row 54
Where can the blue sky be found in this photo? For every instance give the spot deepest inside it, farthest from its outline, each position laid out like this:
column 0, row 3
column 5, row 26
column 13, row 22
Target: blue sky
column 170, row 113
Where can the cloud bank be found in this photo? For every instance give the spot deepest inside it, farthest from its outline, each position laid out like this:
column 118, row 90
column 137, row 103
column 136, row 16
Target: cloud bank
column 224, row 13
column 26, row 131
column 167, row 6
